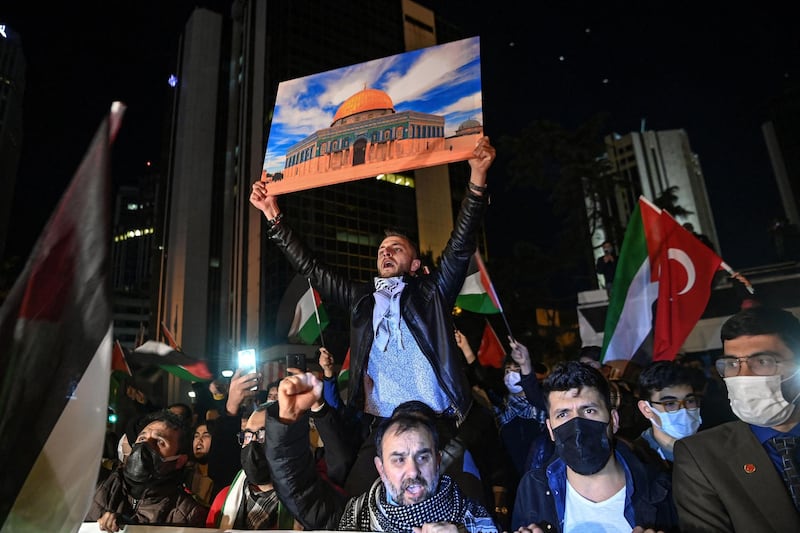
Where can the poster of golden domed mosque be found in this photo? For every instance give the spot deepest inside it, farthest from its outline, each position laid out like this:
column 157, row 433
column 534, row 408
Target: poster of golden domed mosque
column 413, row 110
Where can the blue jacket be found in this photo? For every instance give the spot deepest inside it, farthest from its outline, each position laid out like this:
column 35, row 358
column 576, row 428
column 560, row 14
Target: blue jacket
column 541, row 496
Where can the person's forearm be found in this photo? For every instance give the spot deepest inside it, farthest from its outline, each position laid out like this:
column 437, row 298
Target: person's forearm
column 469, row 355
column 533, row 390
column 271, row 211
column 477, row 182
column 330, row 391
column 310, row 499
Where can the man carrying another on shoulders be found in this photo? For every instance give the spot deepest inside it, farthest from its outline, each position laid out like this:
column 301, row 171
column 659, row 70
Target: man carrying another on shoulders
column 410, row 493
column 401, row 331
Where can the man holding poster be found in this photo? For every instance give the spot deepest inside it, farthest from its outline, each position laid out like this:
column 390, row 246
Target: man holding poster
column 402, row 344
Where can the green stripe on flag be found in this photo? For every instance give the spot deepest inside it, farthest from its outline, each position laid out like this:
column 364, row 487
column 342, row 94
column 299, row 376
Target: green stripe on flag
column 477, row 303
column 629, row 316
column 473, row 296
column 310, row 330
column 183, row 373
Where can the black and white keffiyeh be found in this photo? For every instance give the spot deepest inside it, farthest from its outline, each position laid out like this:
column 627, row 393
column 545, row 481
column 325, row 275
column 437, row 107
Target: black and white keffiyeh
column 372, row 512
column 518, row 407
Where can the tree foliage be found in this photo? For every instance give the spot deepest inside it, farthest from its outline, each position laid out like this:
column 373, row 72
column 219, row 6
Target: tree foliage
column 566, row 167
column 569, row 168
column 668, row 200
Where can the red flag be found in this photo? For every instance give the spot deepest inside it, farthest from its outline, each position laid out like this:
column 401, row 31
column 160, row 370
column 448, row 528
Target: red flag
column 491, row 351
column 118, row 361
column 55, row 356
column 685, row 269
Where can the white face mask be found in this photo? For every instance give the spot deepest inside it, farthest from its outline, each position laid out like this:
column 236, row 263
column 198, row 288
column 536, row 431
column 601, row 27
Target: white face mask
column 758, row 400
column 678, row 424
column 511, row 380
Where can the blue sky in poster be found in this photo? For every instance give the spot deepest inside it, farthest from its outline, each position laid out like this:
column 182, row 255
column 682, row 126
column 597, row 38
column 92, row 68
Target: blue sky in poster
column 441, row 80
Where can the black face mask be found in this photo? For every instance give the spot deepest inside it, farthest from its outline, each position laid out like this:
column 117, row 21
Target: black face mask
column 145, row 467
column 254, row 464
column 583, row 444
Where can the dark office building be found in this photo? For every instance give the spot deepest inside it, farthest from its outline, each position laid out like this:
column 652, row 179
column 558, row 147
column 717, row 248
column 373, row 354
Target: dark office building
column 132, row 261
column 12, row 89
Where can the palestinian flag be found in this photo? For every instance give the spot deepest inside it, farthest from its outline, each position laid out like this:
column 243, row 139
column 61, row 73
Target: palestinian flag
column 310, row 317
column 55, row 356
column 177, row 363
column 344, row 373
column 659, row 260
column 477, row 294
column 119, row 363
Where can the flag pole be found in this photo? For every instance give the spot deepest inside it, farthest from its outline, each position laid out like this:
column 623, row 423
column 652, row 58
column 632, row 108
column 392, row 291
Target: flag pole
column 725, row 266
column 743, row 280
column 505, row 321
column 316, row 313
column 492, row 292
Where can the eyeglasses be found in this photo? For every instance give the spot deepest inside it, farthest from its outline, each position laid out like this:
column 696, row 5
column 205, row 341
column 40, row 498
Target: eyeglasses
column 691, row 403
column 760, row 364
column 247, row 436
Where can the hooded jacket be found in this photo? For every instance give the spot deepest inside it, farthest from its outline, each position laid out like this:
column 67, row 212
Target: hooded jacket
column 164, row 505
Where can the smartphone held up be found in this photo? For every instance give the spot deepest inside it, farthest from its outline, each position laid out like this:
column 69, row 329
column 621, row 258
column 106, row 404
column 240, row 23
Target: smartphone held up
column 296, row 360
column 247, row 363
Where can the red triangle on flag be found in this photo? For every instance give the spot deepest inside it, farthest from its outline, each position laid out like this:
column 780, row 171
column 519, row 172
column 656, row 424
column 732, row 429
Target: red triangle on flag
column 55, row 353
column 487, row 282
column 344, row 373
column 118, row 361
column 491, row 351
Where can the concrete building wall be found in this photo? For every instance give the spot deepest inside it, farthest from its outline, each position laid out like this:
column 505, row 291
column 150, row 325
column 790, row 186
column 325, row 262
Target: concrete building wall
column 188, row 258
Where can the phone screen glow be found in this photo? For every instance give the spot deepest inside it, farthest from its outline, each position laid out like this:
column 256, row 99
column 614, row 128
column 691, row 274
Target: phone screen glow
column 247, row 361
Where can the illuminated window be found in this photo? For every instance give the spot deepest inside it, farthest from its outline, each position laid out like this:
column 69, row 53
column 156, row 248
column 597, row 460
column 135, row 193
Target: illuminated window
column 397, row 179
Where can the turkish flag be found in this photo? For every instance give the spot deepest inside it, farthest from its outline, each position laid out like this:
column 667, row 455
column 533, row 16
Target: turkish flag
column 491, row 351
column 686, row 268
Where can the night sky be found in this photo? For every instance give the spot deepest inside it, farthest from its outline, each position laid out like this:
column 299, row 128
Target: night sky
column 709, row 70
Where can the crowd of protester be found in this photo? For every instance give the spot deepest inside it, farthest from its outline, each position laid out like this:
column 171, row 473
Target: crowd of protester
column 425, row 439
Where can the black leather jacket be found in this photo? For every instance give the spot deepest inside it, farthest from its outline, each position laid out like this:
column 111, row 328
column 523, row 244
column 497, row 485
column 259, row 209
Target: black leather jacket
column 426, row 305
